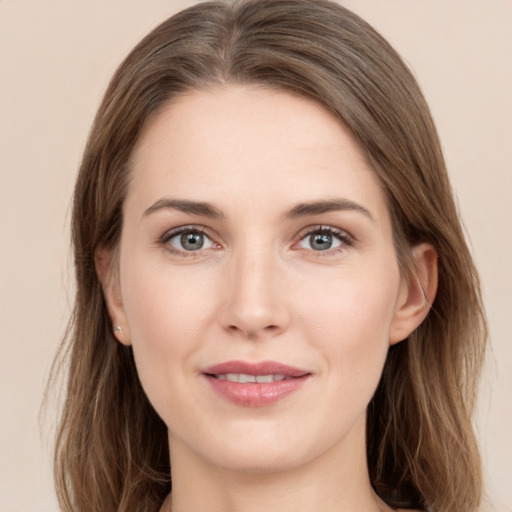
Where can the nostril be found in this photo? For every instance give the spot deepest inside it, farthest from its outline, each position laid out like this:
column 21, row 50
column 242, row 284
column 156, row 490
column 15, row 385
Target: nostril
column 253, row 333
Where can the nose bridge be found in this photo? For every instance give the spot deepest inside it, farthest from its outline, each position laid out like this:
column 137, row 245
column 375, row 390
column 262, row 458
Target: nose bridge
column 254, row 301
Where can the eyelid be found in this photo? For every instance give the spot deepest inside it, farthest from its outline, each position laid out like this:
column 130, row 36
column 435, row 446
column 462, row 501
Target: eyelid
column 344, row 236
column 170, row 233
column 174, row 232
column 347, row 240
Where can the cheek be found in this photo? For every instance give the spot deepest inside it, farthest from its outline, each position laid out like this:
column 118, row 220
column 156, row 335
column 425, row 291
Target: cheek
column 354, row 307
column 167, row 312
column 162, row 300
column 350, row 325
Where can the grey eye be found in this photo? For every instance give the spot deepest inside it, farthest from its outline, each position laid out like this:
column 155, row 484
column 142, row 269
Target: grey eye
column 320, row 241
column 190, row 241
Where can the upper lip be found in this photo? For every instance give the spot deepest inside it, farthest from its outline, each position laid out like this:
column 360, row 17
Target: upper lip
column 260, row 368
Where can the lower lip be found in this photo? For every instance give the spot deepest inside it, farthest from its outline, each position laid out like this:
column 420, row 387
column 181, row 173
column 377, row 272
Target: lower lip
column 255, row 394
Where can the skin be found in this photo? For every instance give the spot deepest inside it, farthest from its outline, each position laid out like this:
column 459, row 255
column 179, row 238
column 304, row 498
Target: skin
column 258, row 290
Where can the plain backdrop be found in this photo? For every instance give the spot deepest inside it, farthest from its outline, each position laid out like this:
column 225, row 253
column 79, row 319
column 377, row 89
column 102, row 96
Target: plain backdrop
column 56, row 57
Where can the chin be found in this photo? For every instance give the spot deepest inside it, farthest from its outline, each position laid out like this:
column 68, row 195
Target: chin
column 263, row 462
column 261, row 451
column 249, row 452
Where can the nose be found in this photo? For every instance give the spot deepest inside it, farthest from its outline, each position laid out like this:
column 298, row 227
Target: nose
column 255, row 302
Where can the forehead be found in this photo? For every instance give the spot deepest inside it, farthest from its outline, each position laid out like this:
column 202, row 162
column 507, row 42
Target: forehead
column 261, row 144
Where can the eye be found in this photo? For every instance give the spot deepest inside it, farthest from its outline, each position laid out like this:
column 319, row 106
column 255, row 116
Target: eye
column 324, row 239
column 187, row 240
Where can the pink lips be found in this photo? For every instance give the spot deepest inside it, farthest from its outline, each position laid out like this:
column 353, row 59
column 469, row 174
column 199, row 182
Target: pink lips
column 254, row 384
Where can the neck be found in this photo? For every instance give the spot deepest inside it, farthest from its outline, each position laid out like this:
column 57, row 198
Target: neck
column 336, row 481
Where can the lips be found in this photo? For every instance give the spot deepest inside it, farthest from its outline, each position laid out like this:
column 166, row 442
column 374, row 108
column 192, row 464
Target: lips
column 254, row 384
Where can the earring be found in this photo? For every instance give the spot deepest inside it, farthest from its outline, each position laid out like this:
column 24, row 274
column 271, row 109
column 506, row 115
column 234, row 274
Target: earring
column 118, row 328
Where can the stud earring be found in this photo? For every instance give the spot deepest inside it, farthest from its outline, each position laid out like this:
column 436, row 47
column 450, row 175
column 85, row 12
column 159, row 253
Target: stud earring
column 118, row 328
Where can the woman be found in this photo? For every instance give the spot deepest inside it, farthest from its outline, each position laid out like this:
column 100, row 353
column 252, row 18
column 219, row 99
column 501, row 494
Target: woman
column 276, row 307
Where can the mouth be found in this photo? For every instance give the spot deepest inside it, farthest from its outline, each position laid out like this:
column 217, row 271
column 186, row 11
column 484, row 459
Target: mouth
column 245, row 378
column 254, row 384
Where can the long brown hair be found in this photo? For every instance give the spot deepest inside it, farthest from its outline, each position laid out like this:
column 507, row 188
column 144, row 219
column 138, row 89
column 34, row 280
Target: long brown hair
column 111, row 452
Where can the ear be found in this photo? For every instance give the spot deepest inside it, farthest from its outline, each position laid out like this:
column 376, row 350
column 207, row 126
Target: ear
column 106, row 264
column 416, row 295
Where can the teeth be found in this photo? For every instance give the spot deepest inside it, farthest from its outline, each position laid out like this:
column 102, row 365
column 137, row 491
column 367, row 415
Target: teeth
column 264, row 378
column 245, row 378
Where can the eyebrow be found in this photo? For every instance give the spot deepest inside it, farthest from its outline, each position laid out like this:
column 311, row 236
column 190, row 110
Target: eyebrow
column 192, row 207
column 326, row 206
column 301, row 210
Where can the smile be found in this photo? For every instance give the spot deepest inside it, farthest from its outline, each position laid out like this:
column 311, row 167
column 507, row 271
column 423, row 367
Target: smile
column 254, row 384
column 245, row 378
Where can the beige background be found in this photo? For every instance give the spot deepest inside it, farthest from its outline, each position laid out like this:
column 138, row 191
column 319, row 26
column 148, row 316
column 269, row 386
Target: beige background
column 55, row 60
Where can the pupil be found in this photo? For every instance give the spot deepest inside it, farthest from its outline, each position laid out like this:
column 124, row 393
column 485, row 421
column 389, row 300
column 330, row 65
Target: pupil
column 321, row 241
column 192, row 241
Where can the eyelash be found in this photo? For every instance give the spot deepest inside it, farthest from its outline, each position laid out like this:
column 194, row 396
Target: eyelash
column 346, row 240
column 173, row 233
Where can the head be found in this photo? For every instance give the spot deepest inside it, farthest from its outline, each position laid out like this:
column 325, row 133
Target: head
column 419, row 416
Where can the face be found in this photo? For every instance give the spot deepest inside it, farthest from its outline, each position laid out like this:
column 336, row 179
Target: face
column 258, row 282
